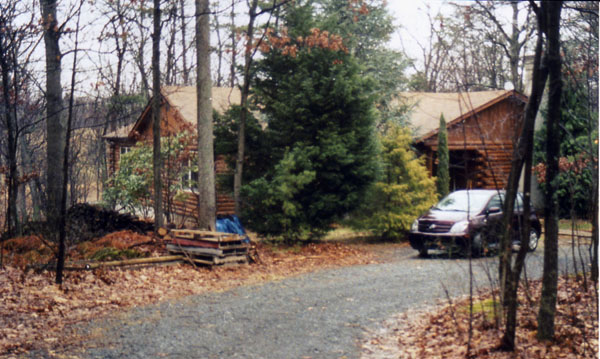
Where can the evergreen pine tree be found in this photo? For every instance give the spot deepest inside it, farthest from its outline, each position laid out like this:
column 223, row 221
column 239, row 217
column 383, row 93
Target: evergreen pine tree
column 320, row 114
column 443, row 169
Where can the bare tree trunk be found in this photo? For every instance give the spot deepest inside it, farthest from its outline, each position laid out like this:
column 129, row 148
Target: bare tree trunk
column 121, row 50
column 594, row 256
column 140, row 59
column 239, row 162
column 515, row 49
column 55, row 124
column 34, row 184
column 509, row 276
column 233, row 49
column 219, row 51
column 512, row 286
column 156, row 100
column 550, row 278
column 184, row 47
column 7, row 64
column 21, row 205
column 62, row 227
column 519, row 154
column 170, row 70
column 206, row 167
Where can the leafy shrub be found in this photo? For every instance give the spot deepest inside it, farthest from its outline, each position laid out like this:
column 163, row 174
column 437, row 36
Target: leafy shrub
column 130, row 188
column 404, row 191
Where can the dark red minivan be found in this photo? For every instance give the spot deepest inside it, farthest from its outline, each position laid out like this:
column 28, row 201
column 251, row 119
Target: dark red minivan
column 469, row 219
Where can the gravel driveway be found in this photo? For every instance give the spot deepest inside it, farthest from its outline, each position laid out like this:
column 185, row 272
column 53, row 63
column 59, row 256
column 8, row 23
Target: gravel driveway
column 319, row 315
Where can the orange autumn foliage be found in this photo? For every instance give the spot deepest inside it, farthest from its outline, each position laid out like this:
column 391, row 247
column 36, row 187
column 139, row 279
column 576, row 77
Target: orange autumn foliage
column 317, row 39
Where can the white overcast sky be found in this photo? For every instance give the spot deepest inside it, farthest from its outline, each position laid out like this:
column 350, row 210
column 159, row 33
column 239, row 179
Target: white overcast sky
column 410, row 17
column 413, row 23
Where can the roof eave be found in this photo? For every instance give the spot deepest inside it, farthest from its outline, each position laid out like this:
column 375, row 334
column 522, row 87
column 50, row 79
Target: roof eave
column 470, row 113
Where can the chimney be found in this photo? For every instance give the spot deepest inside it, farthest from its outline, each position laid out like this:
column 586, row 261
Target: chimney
column 527, row 74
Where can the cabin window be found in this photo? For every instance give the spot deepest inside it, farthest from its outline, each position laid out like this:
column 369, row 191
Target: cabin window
column 123, row 150
column 190, row 176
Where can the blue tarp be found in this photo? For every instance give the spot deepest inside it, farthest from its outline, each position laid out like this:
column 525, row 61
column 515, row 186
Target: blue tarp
column 231, row 224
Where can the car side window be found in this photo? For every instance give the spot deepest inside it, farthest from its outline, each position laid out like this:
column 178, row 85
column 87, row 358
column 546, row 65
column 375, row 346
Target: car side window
column 496, row 201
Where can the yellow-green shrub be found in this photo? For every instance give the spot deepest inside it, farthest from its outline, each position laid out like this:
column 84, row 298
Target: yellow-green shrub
column 404, row 190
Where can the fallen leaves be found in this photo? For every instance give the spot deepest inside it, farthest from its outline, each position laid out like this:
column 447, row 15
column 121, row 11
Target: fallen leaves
column 36, row 313
column 443, row 332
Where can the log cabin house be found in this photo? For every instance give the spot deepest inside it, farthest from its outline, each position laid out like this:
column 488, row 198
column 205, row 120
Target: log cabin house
column 482, row 128
column 178, row 113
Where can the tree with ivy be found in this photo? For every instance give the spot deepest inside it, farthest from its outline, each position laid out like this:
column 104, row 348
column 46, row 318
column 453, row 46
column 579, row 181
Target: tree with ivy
column 403, row 192
column 320, row 115
column 443, row 156
column 576, row 171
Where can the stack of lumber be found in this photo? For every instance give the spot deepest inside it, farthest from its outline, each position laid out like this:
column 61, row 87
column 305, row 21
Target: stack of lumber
column 205, row 247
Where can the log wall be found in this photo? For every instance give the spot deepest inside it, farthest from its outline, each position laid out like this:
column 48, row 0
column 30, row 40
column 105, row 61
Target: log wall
column 172, row 124
column 482, row 143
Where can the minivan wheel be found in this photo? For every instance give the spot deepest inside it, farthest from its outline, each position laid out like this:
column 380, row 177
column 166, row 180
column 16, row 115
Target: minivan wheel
column 477, row 245
column 534, row 238
column 423, row 252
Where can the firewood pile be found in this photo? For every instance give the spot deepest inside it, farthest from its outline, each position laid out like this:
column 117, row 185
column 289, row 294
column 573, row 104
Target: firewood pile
column 86, row 222
column 210, row 248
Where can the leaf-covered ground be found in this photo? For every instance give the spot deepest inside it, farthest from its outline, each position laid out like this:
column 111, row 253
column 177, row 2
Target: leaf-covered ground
column 444, row 332
column 35, row 313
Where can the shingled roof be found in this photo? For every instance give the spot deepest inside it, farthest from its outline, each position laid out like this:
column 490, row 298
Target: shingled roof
column 183, row 99
column 426, row 107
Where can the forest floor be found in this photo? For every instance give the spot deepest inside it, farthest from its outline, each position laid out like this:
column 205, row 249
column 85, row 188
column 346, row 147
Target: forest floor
column 444, row 332
column 35, row 313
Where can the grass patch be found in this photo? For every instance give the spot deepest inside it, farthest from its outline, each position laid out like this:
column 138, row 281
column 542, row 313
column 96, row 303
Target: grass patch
column 484, row 307
column 342, row 232
column 580, row 224
column 112, row 254
column 283, row 248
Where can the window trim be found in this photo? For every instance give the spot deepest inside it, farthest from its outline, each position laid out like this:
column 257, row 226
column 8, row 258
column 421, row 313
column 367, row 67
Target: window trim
column 188, row 177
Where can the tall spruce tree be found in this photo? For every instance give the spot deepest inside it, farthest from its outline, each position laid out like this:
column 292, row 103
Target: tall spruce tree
column 443, row 155
column 320, row 117
column 366, row 27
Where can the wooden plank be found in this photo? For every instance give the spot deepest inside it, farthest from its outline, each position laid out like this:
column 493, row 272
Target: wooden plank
column 194, row 250
column 182, row 234
column 232, row 259
column 195, row 243
column 209, row 244
column 206, row 235
column 197, row 231
column 211, row 251
column 203, row 261
column 135, row 261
